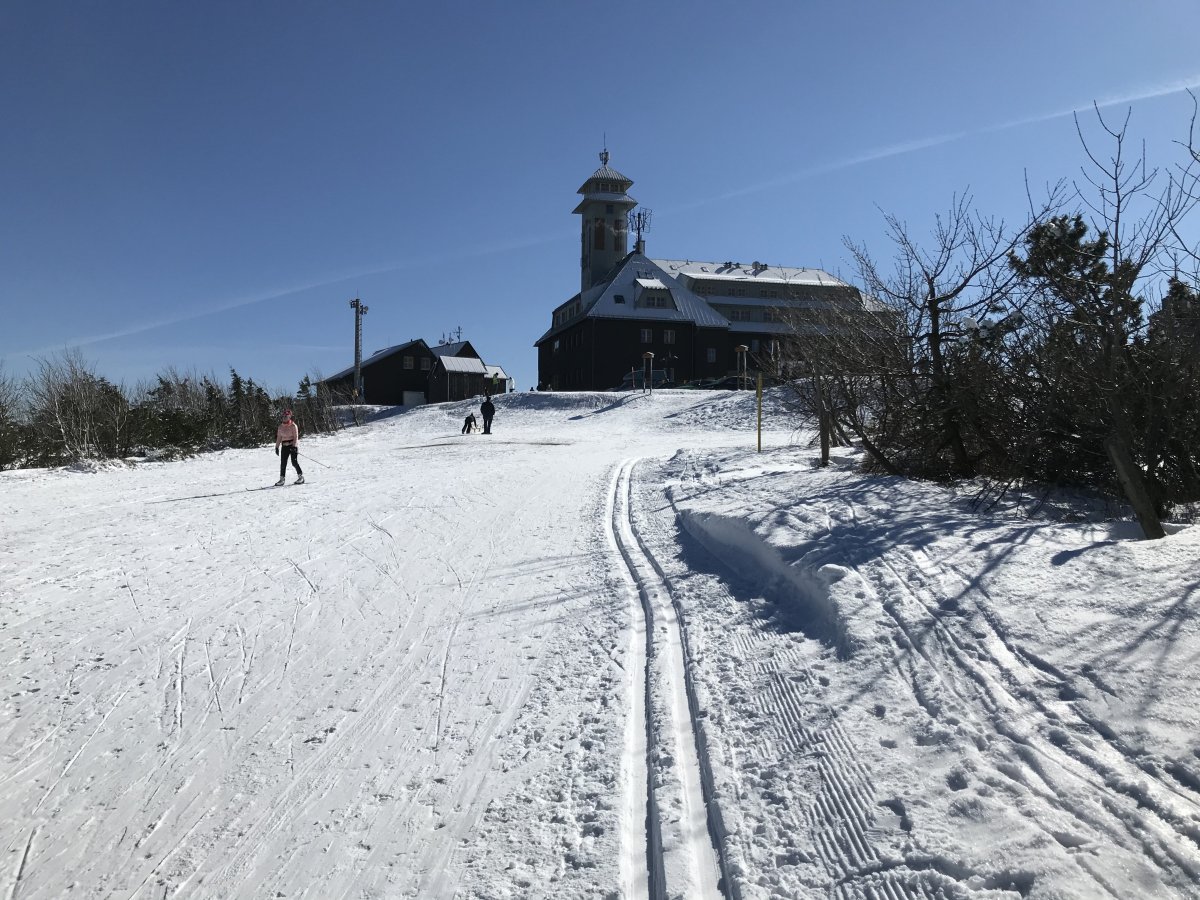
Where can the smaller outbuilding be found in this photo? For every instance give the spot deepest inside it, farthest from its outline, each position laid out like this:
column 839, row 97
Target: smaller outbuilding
column 395, row 376
column 414, row 373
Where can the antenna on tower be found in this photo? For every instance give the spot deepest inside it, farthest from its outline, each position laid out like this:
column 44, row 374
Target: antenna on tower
column 360, row 310
column 639, row 224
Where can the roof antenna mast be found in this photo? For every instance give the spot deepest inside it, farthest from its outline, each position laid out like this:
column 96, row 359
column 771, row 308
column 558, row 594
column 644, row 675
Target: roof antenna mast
column 639, row 224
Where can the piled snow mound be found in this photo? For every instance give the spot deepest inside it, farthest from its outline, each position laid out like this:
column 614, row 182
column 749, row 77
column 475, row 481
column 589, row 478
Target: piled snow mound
column 540, row 411
column 807, row 594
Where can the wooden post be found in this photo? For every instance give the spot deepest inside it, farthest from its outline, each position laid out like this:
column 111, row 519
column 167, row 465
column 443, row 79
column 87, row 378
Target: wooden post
column 824, row 420
column 760, row 412
column 825, row 429
column 1135, row 488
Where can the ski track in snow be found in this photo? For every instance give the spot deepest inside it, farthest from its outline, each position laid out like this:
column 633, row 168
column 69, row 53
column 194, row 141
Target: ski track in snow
column 573, row 662
column 681, row 860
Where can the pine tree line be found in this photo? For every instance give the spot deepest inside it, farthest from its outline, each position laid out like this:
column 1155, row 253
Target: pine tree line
column 65, row 412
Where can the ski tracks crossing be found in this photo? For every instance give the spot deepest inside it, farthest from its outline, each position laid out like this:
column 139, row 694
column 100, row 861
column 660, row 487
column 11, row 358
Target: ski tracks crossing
column 1086, row 779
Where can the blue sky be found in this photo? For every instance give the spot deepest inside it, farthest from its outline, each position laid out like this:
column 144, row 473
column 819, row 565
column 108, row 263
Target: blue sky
column 207, row 185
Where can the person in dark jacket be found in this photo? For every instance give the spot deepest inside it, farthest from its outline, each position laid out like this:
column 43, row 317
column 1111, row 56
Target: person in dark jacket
column 488, row 409
column 469, row 423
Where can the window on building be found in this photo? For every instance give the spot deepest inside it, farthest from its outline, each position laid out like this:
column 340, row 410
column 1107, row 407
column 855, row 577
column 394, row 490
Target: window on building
column 618, row 298
column 710, row 355
column 598, row 234
column 408, row 362
column 657, row 300
column 608, row 208
column 647, row 336
column 425, row 364
column 556, row 345
column 754, row 345
column 668, row 336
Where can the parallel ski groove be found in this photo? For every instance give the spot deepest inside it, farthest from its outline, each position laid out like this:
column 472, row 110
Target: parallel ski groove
column 695, row 867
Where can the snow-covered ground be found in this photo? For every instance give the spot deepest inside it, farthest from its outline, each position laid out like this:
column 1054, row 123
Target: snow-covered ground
column 609, row 651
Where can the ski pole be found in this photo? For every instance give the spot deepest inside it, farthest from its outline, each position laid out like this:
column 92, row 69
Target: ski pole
column 317, row 461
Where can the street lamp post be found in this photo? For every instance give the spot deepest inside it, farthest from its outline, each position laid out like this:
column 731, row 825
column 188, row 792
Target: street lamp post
column 742, row 373
column 648, row 372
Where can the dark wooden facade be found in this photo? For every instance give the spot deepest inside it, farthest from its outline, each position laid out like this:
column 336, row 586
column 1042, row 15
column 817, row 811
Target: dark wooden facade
column 458, row 373
column 691, row 315
column 595, row 354
column 388, row 376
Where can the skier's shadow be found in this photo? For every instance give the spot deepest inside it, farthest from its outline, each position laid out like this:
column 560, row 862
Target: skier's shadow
column 205, row 496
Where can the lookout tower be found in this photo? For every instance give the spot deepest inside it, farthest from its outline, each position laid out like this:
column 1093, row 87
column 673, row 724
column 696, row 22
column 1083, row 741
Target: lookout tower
column 603, row 232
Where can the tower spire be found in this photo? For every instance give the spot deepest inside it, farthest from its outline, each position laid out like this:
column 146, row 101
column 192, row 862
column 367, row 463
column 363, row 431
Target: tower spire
column 603, row 225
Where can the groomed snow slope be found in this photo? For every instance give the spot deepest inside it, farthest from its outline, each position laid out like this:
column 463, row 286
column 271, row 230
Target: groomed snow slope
column 609, row 650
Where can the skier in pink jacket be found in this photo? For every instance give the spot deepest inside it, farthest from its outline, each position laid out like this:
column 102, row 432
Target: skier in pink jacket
column 287, row 436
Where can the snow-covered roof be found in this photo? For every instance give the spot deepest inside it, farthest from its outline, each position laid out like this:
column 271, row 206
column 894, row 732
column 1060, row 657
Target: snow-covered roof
column 817, row 289
column 747, row 272
column 494, row 371
column 468, row 364
column 617, row 298
column 637, row 269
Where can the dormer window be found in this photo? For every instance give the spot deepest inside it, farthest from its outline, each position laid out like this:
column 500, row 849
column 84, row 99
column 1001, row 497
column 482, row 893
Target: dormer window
column 653, row 294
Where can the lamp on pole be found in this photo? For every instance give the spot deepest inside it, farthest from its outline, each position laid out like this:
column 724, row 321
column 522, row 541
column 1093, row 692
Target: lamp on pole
column 742, row 373
column 360, row 310
column 647, row 372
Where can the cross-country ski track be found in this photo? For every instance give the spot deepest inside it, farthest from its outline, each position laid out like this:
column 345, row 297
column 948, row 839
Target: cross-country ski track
column 609, row 652
column 680, row 857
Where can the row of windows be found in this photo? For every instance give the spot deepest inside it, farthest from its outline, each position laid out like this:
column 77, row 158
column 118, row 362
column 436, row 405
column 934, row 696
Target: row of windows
column 566, row 313
column 750, row 313
column 647, row 337
column 668, row 336
column 410, row 363
column 709, row 288
column 656, row 301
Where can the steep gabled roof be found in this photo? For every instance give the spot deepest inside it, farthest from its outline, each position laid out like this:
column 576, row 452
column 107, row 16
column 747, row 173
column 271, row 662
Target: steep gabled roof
column 455, row 348
column 378, row 355
column 617, row 298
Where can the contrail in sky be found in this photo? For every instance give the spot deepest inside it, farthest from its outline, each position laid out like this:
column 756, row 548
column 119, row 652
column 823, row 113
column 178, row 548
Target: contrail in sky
column 878, row 153
column 911, row 146
column 237, row 303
